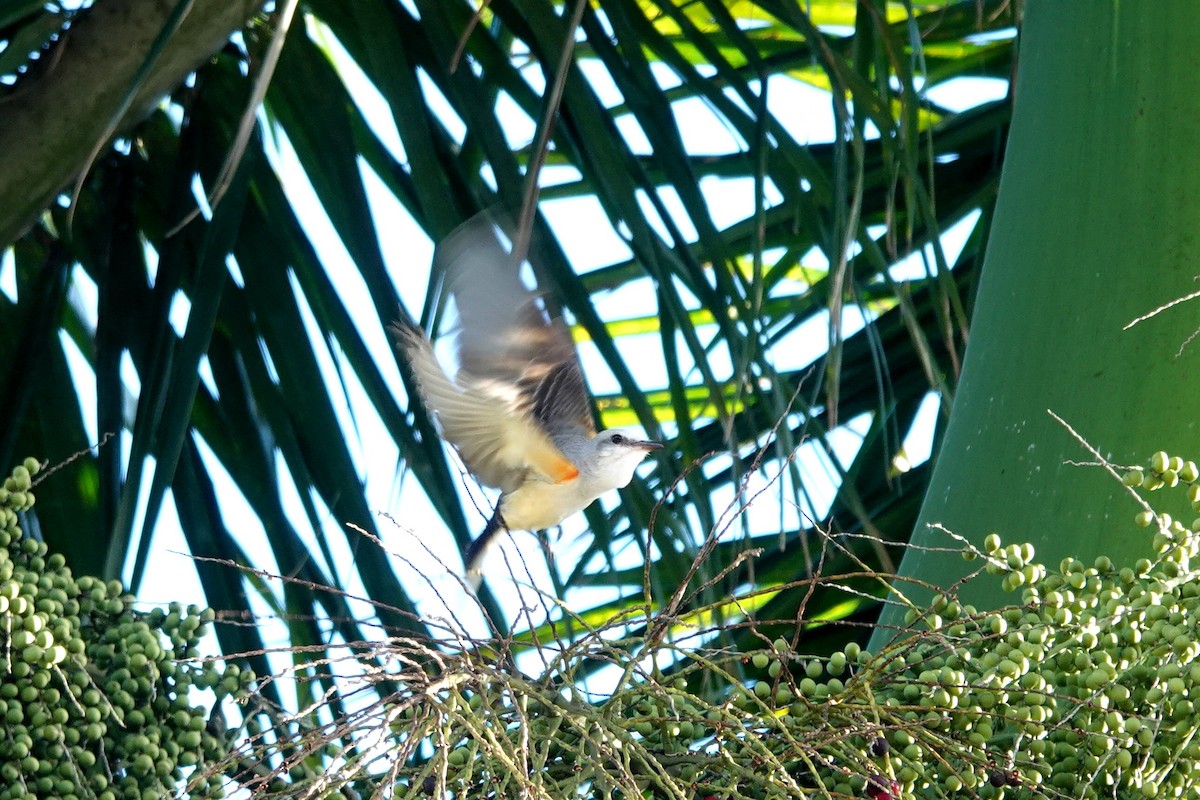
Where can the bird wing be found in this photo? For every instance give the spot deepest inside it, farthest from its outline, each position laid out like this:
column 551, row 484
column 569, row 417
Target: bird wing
column 559, row 400
column 507, row 337
column 493, row 431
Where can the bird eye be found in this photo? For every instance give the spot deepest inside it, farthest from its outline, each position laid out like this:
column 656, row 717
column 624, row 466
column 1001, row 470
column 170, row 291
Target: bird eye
column 616, row 438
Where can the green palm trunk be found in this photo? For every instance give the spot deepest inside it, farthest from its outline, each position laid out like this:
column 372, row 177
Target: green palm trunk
column 1096, row 225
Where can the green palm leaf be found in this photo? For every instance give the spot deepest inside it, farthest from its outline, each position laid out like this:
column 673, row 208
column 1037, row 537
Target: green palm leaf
column 244, row 385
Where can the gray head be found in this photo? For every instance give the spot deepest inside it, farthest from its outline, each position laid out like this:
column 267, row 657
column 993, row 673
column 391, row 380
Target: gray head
column 617, row 452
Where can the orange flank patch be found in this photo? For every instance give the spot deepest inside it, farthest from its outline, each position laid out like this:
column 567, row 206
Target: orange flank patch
column 558, row 467
column 568, row 472
column 547, row 459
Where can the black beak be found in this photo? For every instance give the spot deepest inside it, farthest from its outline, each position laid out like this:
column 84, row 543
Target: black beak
column 649, row 445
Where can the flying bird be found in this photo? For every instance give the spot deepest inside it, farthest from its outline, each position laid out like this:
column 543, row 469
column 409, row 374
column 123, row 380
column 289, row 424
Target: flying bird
column 517, row 409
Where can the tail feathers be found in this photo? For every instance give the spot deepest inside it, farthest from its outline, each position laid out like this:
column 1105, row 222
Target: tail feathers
column 473, row 558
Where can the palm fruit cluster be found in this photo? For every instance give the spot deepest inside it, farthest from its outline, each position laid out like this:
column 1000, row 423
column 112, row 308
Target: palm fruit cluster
column 94, row 696
column 1087, row 686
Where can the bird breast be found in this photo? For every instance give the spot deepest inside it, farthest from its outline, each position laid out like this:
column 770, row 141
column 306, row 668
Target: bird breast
column 538, row 504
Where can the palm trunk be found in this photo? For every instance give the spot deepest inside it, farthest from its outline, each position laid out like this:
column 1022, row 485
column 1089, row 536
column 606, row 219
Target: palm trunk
column 60, row 114
column 1097, row 223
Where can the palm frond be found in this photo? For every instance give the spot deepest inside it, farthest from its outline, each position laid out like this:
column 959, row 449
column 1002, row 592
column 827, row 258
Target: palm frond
column 244, row 345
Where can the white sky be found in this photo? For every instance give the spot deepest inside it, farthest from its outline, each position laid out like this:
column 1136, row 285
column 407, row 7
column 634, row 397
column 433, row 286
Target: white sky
column 590, row 243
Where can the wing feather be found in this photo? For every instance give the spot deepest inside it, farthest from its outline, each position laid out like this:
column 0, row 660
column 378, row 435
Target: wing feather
column 508, row 338
column 498, row 440
column 560, row 401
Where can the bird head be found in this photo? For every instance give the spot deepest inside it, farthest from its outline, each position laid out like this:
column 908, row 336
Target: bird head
column 617, row 452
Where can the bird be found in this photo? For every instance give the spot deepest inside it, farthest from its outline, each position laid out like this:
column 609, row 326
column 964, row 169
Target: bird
column 517, row 408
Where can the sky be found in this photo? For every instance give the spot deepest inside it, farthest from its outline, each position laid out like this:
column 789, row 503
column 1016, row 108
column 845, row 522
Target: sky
column 590, row 243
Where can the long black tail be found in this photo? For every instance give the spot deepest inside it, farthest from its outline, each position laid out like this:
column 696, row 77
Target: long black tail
column 475, row 551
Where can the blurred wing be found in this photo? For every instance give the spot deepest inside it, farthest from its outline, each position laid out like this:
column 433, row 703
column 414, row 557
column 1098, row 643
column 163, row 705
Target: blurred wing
column 498, row 439
column 560, row 400
column 507, row 339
